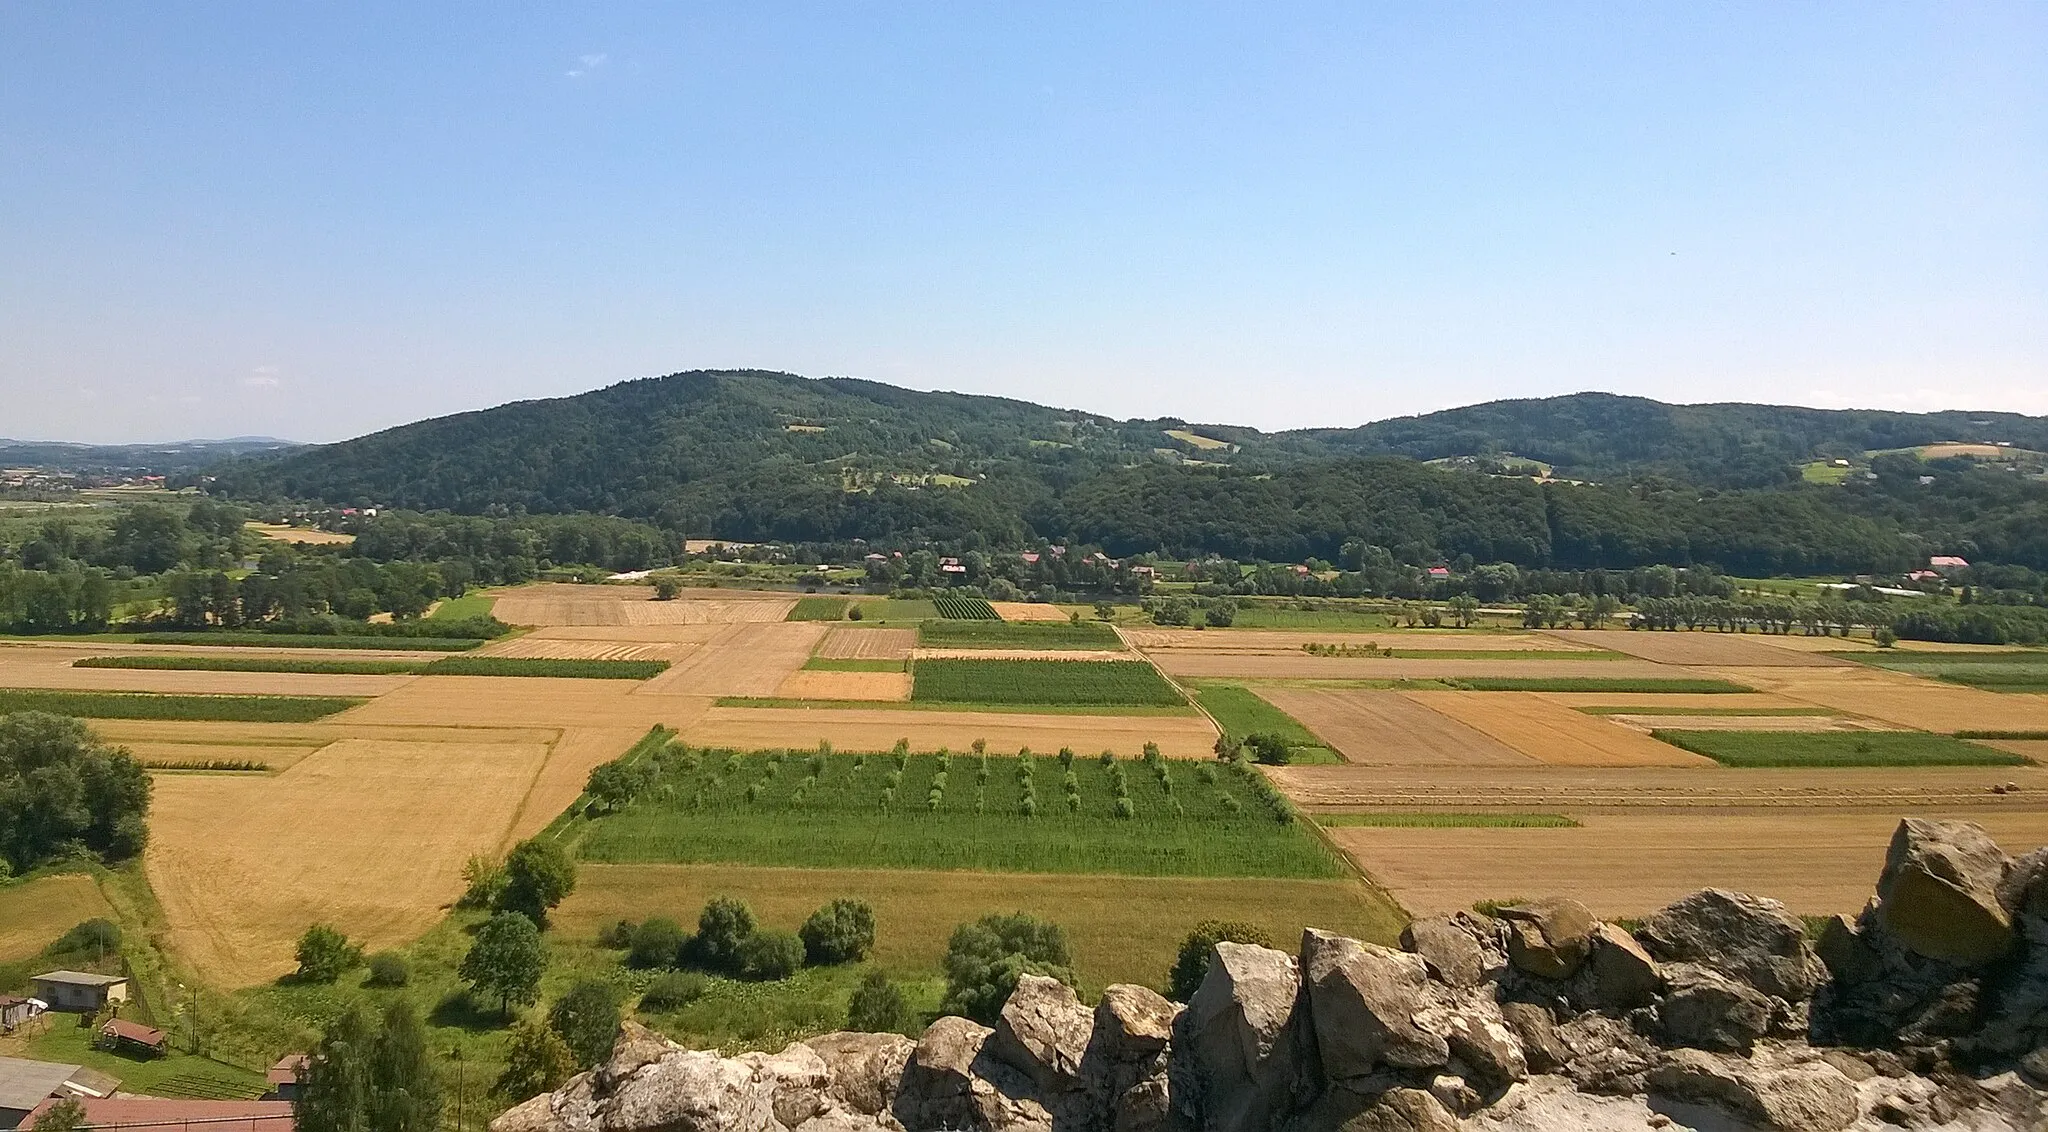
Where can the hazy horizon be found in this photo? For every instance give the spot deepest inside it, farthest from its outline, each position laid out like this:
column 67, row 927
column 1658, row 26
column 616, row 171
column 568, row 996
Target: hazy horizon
column 312, row 224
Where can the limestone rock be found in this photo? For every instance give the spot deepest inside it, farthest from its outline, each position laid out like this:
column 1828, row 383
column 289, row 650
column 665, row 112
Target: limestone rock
column 1536, row 1032
column 1843, row 952
column 865, row 1068
column 1146, row 1106
column 1607, row 1056
column 1939, row 892
column 1747, row 938
column 1618, row 975
column 798, row 1081
column 1809, row 1096
column 1403, row 1110
column 1485, row 1051
column 636, row 1046
column 1133, row 1022
column 1450, row 946
column 950, row 1082
column 1043, row 1031
column 1362, row 1002
column 691, row 1091
column 841, row 1120
column 535, row 1114
column 1549, row 938
column 1236, row 1041
column 1707, row 1010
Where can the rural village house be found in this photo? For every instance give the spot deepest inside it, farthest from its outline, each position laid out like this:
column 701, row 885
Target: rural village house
column 79, row 991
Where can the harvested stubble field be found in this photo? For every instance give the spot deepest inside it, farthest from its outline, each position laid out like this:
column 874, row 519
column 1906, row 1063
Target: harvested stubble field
column 367, row 835
column 513, row 701
column 1083, row 682
column 1122, row 928
column 856, row 729
column 1816, row 719
column 1552, row 733
column 1005, row 814
column 558, row 648
column 33, row 667
column 1283, row 642
column 1391, row 729
column 1663, row 789
column 1625, row 865
column 1698, row 648
column 829, row 685
column 2033, row 750
column 35, row 912
column 1298, row 665
column 1780, row 749
column 1608, row 702
column 843, row 643
column 740, row 660
column 564, row 604
column 305, row 536
column 1908, row 701
column 1028, row 611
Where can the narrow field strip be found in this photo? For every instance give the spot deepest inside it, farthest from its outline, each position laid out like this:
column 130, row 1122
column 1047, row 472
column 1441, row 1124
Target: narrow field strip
column 311, row 665
column 854, row 664
column 1835, row 748
column 546, row 667
column 311, row 641
column 1447, row 821
column 950, row 706
column 818, row 609
column 1663, row 709
column 1017, row 635
column 149, row 705
column 1094, row 682
column 1592, row 684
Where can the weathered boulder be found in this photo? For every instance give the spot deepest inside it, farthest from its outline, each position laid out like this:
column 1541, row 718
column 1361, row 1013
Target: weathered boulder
column 1450, row 945
column 1044, row 1031
column 1806, row 1096
column 1549, row 938
column 865, row 1068
column 797, row 1079
column 1398, row 1109
column 1747, row 938
column 635, row 1046
column 1133, row 1022
column 842, row 1120
column 1618, row 975
column 1362, row 1003
column 535, row 1114
column 951, row 1082
column 1484, row 1050
column 1707, row 1010
column 691, row 1091
column 1607, row 1055
column 1235, row 1039
column 1843, row 952
column 1939, row 893
column 1536, row 1032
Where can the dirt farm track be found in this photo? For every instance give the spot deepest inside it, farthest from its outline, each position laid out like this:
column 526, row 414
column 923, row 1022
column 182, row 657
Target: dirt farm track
column 364, row 818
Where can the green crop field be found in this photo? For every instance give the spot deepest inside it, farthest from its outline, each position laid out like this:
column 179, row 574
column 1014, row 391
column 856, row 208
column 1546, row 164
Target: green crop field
column 1241, row 712
column 315, row 665
column 1041, row 682
column 955, row 607
column 960, row 811
column 815, row 608
column 146, row 705
column 1835, row 748
column 2002, row 734
column 469, row 605
column 312, row 641
column 2017, row 671
column 1254, row 618
column 1591, row 684
column 1407, row 820
column 1017, row 635
column 854, row 664
column 545, row 666
column 889, row 610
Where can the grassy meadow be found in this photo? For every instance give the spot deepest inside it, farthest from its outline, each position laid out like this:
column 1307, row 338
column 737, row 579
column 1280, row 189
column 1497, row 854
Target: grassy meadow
column 815, row 608
column 1835, row 748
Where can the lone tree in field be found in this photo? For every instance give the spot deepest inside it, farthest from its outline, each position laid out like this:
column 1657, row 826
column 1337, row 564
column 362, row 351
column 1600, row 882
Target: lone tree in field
column 506, row 961
column 840, row 932
column 538, row 875
column 587, row 1018
column 324, row 953
column 985, row 958
column 62, row 789
column 1193, row 963
column 722, row 930
column 363, row 1075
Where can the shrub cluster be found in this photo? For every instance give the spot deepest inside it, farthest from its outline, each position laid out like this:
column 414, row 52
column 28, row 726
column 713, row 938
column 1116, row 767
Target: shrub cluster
column 729, row 941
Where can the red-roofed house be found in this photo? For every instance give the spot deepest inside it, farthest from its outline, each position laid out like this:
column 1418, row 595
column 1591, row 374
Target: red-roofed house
column 1947, row 562
column 106, row 1114
column 1439, row 571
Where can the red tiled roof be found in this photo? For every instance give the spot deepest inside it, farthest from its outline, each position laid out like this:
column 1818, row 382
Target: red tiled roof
column 286, row 1070
column 133, row 1031
column 142, row 1113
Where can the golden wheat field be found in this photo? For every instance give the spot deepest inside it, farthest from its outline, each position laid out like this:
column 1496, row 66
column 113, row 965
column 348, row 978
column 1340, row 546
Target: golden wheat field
column 565, row 604
column 1723, row 649
column 741, row 660
column 305, row 536
column 1908, row 701
column 843, row 643
column 1390, row 729
column 1552, row 733
column 1302, row 666
column 885, row 686
column 877, row 729
column 1028, row 611
column 35, row 912
column 1550, row 789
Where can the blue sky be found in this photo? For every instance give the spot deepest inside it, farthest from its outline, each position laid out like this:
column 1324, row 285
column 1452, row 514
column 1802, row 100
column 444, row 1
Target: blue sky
column 318, row 220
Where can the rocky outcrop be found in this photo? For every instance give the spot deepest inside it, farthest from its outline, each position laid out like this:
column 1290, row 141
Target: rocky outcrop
column 1927, row 1011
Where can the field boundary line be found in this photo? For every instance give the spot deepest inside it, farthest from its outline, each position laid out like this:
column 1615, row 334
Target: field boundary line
column 1176, row 685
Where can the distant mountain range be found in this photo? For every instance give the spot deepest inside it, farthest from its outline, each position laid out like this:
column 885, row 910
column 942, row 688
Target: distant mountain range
column 170, row 458
column 754, row 454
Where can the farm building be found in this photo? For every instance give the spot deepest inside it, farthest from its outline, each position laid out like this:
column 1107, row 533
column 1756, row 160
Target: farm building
column 126, row 1036
column 26, row 1086
column 79, row 990
column 284, row 1077
column 164, row 1114
column 1947, row 562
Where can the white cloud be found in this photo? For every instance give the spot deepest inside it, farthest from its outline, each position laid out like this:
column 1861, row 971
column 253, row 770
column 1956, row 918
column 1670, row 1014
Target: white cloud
column 585, row 64
column 262, row 377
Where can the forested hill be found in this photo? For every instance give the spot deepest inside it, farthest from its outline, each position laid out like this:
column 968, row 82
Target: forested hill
column 751, row 455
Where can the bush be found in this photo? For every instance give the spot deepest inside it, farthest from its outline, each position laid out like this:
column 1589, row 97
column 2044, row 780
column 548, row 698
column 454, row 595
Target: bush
column 587, row 1018
column 657, row 943
column 1269, row 748
column 877, row 1005
column 985, row 958
column 722, row 927
column 840, row 932
column 536, row 1061
column 617, row 935
column 674, row 991
column 1193, row 963
column 96, row 937
column 771, row 953
column 486, row 882
column 388, row 969
column 324, row 953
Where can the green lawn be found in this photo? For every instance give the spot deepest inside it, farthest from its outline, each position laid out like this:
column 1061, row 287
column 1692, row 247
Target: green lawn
column 1017, row 635
column 1089, row 682
column 144, row 705
column 178, row 1073
column 1248, row 618
column 888, row 610
column 474, row 604
column 1836, row 748
column 1000, row 813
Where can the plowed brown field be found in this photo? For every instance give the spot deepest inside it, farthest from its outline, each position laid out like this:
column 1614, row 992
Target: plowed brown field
column 1632, row 864
column 846, row 686
column 1723, row 649
column 1389, row 729
column 855, row 729
column 842, row 643
column 1553, row 733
